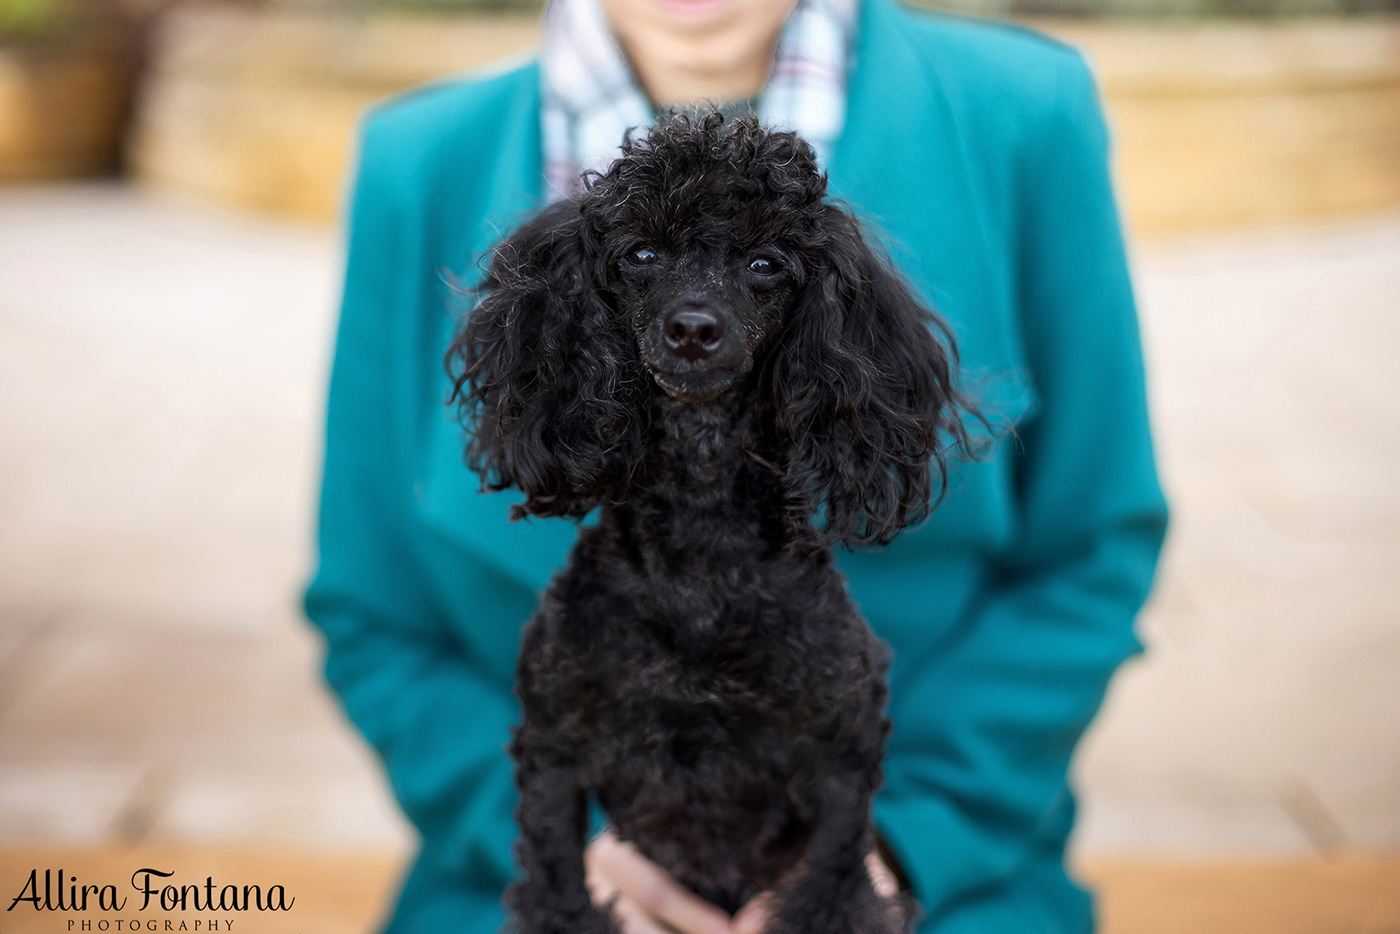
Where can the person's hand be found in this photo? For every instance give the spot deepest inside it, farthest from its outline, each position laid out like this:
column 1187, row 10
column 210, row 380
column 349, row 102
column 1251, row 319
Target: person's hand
column 644, row 897
column 753, row 917
column 646, row 900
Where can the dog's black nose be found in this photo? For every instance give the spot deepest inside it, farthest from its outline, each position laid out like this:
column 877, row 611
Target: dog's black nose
column 692, row 334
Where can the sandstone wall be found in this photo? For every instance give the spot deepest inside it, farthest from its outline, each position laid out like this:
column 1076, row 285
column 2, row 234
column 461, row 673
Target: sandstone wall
column 1218, row 124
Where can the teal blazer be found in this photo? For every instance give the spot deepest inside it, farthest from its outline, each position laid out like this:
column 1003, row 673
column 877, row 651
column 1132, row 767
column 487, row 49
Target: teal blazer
column 978, row 154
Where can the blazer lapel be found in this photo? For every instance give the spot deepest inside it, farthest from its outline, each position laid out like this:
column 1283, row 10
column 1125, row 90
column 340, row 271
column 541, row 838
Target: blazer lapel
column 900, row 164
column 450, row 494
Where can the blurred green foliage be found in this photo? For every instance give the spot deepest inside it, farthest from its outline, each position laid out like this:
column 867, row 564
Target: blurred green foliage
column 32, row 19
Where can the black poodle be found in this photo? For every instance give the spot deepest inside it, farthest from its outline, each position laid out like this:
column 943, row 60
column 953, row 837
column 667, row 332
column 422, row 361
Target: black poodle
column 707, row 350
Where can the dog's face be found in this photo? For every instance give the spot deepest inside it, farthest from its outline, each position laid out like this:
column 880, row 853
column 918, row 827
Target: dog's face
column 700, row 311
column 705, row 258
column 703, row 252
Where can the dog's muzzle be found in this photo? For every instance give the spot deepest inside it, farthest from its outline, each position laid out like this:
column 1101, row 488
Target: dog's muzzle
column 694, row 351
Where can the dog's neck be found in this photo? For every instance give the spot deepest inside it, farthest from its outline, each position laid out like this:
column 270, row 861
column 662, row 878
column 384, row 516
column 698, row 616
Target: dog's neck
column 701, row 495
column 699, row 447
column 698, row 458
column 696, row 519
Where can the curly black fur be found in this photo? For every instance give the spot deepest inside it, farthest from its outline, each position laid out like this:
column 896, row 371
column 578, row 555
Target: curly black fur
column 709, row 350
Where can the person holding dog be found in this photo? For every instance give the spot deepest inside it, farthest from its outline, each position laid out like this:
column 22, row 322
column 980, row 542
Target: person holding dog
column 978, row 153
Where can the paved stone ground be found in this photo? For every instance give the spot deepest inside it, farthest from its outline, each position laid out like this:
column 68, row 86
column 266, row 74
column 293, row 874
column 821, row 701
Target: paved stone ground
column 160, row 378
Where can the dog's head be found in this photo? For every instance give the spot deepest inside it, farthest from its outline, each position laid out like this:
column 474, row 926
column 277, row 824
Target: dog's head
column 705, row 233
column 706, row 261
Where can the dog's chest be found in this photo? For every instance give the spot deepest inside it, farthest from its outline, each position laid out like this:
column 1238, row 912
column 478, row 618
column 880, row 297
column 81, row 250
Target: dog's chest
column 649, row 701
column 757, row 659
column 693, row 764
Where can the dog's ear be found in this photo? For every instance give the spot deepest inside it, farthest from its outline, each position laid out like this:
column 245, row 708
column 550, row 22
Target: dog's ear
column 545, row 375
column 861, row 390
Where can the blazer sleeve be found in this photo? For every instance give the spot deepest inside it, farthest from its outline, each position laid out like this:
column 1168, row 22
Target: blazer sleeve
column 438, row 722
column 984, row 729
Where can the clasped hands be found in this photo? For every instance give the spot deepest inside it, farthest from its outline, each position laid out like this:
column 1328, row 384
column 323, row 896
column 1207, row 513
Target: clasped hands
column 646, row 900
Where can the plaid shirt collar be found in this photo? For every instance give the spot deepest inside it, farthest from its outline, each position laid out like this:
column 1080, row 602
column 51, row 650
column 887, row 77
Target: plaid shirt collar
column 590, row 99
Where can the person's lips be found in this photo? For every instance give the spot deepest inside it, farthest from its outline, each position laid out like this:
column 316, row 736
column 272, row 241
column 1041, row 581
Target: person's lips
column 695, row 9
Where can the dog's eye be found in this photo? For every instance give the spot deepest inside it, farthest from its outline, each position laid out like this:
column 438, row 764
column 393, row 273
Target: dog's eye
column 763, row 267
column 642, row 256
